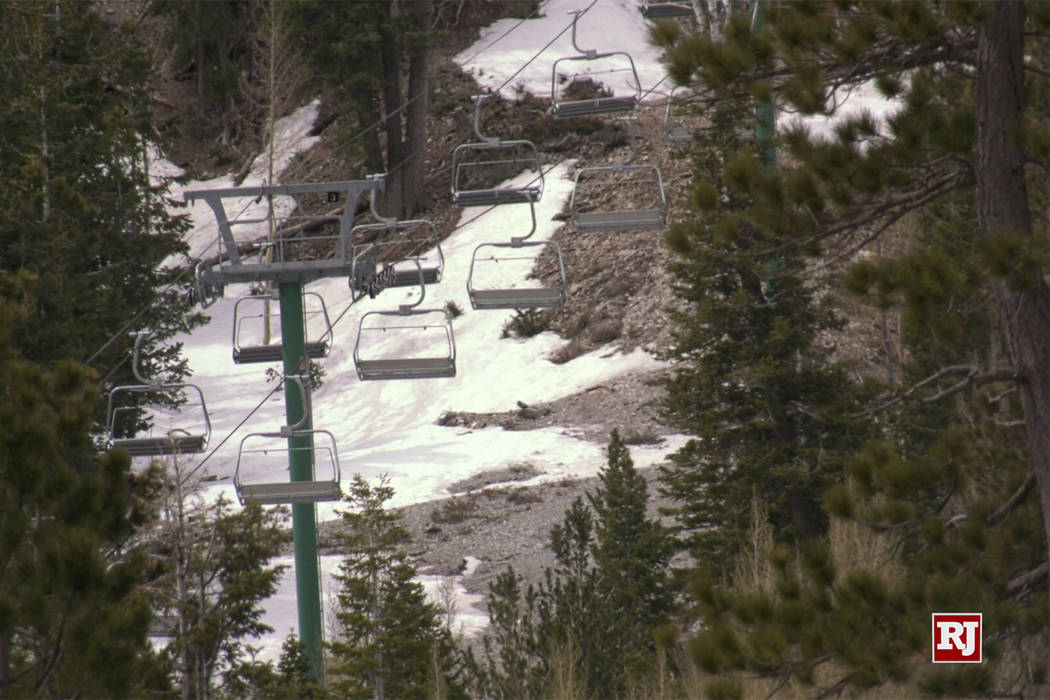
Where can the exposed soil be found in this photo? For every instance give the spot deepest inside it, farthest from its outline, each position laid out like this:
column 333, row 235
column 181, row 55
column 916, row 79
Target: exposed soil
column 618, row 292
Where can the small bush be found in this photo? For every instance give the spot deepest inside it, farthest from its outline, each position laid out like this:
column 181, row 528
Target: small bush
column 453, row 309
column 454, row 510
column 605, row 332
column 523, row 496
column 526, row 323
column 570, row 351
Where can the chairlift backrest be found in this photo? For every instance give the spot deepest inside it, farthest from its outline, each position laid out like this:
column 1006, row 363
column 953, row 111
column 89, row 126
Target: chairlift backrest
column 565, row 106
column 417, row 344
column 677, row 132
column 510, row 294
column 250, row 347
column 481, row 169
column 271, row 452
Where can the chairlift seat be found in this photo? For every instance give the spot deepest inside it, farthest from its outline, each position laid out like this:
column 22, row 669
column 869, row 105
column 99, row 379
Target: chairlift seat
column 161, row 445
column 486, row 295
column 410, row 278
column 536, row 298
column 492, row 156
column 275, row 353
column 407, row 325
column 414, row 368
column 366, row 256
column 612, row 221
column 610, row 179
column 678, row 135
column 252, row 352
column 598, row 105
column 495, row 196
column 666, row 10
column 192, row 438
column 290, row 492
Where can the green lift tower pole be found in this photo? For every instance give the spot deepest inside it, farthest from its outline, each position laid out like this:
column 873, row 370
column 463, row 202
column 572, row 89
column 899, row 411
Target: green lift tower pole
column 301, row 458
column 765, row 111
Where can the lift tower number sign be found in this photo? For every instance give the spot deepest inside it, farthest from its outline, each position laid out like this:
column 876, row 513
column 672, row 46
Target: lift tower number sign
column 956, row 638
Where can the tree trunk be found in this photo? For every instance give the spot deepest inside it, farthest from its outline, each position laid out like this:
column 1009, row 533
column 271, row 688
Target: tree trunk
column 413, row 193
column 390, row 54
column 1002, row 199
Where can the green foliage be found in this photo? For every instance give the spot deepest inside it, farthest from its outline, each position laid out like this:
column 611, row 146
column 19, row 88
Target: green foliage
column 215, row 574
column 593, row 618
column 213, row 37
column 526, row 323
column 291, row 678
column 78, row 209
column 768, row 407
column 934, row 470
column 934, row 493
column 73, row 617
column 389, row 635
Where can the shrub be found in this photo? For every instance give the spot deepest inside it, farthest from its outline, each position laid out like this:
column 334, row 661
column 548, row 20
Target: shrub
column 526, row 323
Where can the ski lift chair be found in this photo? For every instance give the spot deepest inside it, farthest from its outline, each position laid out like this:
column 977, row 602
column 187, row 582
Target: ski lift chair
column 668, row 9
column 616, row 219
column 618, row 180
column 292, row 447
column 406, row 343
column 395, row 261
column 190, row 438
column 677, row 132
column 248, row 347
column 521, row 254
column 563, row 106
column 480, row 169
column 270, row 452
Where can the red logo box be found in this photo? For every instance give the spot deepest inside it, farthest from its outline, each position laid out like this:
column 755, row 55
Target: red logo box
column 956, row 638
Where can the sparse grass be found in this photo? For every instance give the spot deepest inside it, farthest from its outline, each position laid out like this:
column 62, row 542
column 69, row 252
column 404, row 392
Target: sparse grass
column 605, row 332
column 523, row 496
column 570, row 351
column 454, row 510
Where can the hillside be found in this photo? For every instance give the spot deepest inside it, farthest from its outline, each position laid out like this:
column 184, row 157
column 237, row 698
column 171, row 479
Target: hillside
column 617, row 295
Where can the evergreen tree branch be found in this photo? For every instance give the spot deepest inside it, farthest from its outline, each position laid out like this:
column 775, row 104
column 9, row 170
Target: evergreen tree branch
column 973, row 378
column 1028, row 581
column 882, row 212
column 1016, row 499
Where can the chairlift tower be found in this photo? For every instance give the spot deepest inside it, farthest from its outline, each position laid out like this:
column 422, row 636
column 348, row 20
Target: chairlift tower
column 290, row 275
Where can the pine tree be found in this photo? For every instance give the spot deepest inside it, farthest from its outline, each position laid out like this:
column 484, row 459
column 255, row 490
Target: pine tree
column 73, row 613
column 632, row 554
column 78, row 209
column 217, row 569
column 969, row 79
column 593, row 617
column 768, row 406
column 513, row 663
column 213, row 37
column 389, row 39
column 949, row 501
column 388, row 633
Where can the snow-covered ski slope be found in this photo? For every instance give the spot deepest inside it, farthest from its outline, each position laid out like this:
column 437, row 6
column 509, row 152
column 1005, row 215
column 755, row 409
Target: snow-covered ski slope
column 388, row 427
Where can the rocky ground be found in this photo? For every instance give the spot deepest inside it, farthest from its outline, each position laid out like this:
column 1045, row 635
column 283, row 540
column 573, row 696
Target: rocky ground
column 499, row 520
